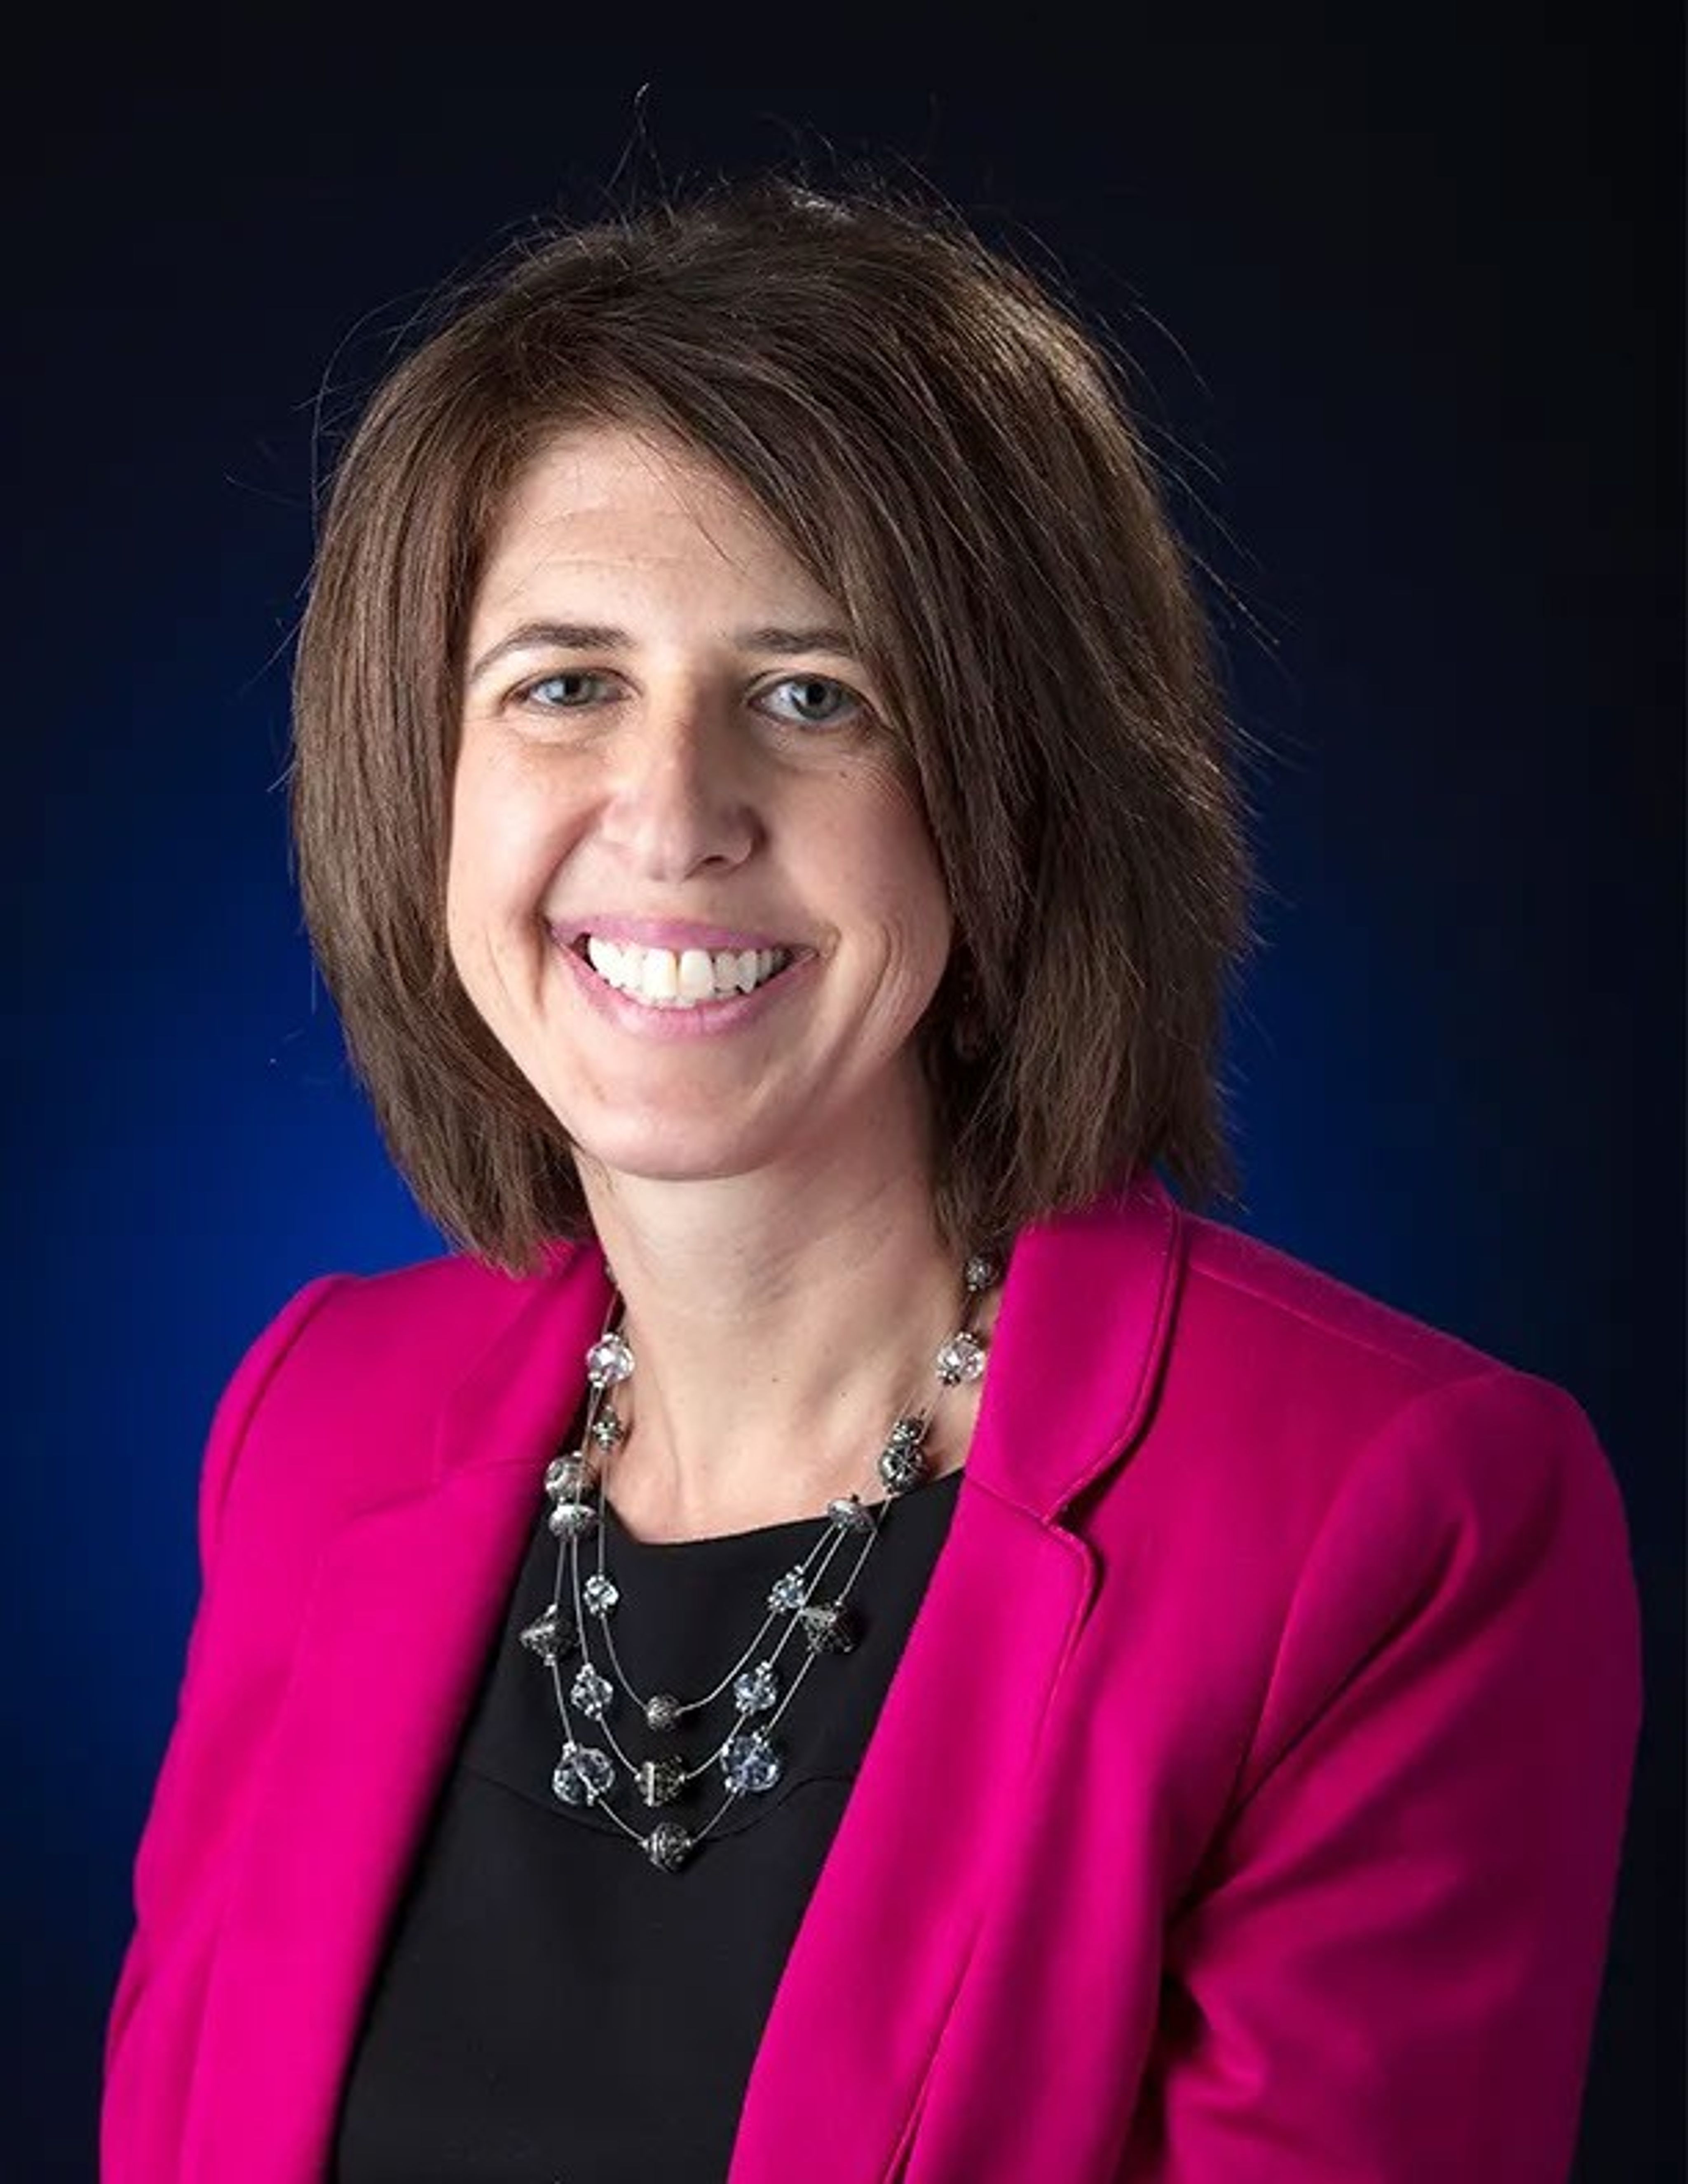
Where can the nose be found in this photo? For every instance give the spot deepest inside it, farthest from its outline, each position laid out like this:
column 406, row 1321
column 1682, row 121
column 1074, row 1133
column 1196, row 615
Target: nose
column 682, row 797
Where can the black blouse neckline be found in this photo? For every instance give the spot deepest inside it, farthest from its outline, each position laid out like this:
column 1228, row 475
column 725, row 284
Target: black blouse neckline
column 796, row 1527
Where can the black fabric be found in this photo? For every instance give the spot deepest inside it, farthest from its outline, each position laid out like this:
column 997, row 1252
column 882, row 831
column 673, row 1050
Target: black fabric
column 550, row 2007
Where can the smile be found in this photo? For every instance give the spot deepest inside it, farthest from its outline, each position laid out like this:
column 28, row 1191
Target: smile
column 683, row 979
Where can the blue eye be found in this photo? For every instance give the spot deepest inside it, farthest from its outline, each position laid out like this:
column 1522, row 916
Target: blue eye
column 816, row 701
column 569, row 688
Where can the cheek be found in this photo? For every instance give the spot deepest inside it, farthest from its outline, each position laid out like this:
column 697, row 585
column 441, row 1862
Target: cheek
column 914, row 880
column 500, row 841
column 490, row 875
column 905, row 894
column 466, row 862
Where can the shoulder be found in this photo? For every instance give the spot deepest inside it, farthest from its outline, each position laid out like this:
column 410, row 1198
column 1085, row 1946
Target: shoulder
column 1397, row 1381
column 1240, row 1384
column 1301, row 1421
column 1431, row 1521
column 1156, row 1305
column 333, row 1408
column 366, row 1336
column 431, row 1313
column 1329, row 1361
column 1321, row 1358
column 1325, row 1488
column 1240, row 1288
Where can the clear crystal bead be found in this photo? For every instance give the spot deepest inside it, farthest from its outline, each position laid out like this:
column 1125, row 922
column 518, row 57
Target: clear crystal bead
column 572, row 1519
column 668, row 1846
column 758, row 1689
column 749, row 1762
column 788, row 1592
column 981, row 1273
column 661, row 1711
column 850, row 1514
column 566, row 1475
column 600, row 1593
column 590, row 1691
column 829, row 1628
column 608, row 1362
column 662, row 1780
column 961, row 1358
column 551, row 1635
column 583, row 1774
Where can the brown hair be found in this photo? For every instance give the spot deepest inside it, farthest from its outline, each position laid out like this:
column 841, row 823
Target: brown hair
column 952, row 457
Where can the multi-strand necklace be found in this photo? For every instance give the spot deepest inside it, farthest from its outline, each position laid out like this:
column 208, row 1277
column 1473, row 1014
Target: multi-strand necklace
column 804, row 1617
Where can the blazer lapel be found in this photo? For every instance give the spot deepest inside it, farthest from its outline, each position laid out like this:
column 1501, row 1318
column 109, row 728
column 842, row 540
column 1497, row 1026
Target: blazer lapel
column 834, row 2094
column 404, row 1607
column 882, row 1945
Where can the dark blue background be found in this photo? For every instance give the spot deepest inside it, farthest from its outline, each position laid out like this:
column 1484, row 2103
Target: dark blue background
column 1409, row 320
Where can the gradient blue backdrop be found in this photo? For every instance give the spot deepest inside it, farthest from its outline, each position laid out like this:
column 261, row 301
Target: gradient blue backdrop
column 1409, row 329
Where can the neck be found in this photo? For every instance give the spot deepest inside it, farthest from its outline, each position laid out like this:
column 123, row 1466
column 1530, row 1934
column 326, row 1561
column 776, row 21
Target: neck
column 779, row 1321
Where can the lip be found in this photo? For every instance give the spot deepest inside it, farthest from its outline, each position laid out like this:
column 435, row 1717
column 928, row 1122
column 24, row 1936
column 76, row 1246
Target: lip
column 703, row 1020
column 674, row 933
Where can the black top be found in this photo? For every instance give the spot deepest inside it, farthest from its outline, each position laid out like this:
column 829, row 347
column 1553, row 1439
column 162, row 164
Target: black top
column 553, row 2008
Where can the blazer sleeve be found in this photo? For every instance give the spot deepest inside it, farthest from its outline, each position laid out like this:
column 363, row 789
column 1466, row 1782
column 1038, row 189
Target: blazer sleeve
column 176, row 1871
column 1388, row 1967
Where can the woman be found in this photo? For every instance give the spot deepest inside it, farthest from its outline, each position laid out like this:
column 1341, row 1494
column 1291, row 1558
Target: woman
column 843, row 1632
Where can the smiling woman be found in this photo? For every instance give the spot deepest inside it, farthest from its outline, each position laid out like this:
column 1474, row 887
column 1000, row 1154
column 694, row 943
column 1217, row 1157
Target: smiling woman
column 629, row 799
column 948, row 1663
column 939, row 501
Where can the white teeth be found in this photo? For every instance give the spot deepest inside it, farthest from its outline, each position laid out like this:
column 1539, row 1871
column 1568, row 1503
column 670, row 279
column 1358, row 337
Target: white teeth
column 605, row 958
column 664, row 979
column 696, row 975
column 658, row 975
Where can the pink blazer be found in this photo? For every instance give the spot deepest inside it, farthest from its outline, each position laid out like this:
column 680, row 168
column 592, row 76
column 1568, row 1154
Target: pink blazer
column 1280, row 1675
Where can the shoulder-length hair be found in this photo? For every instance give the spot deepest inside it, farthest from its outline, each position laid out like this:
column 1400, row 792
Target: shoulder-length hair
column 952, row 456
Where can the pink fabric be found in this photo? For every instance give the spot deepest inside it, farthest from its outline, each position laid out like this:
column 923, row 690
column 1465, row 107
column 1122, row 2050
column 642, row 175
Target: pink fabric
column 1279, row 1681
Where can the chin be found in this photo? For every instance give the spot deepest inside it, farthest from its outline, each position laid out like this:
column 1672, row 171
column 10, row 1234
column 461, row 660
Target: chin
column 654, row 1167
column 666, row 1150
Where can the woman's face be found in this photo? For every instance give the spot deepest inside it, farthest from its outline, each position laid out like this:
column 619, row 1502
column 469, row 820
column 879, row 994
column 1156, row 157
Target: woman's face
column 671, row 764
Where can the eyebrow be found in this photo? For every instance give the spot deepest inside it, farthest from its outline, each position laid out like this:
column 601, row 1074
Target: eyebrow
column 600, row 636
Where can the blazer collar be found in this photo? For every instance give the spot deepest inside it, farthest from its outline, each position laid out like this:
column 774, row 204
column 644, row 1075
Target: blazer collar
column 1087, row 1309
column 407, row 1599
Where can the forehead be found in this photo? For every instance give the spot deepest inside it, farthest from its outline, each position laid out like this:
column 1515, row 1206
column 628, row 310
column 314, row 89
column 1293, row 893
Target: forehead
column 620, row 500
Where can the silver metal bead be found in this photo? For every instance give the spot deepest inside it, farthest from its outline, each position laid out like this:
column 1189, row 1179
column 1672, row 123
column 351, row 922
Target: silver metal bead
column 829, row 1628
column 668, row 1846
column 569, row 1474
column 662, row 1780
column 850, row 1514
column 662, row 1711
column 902, row 1465
column 552, row 1636
column 572, row 1520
